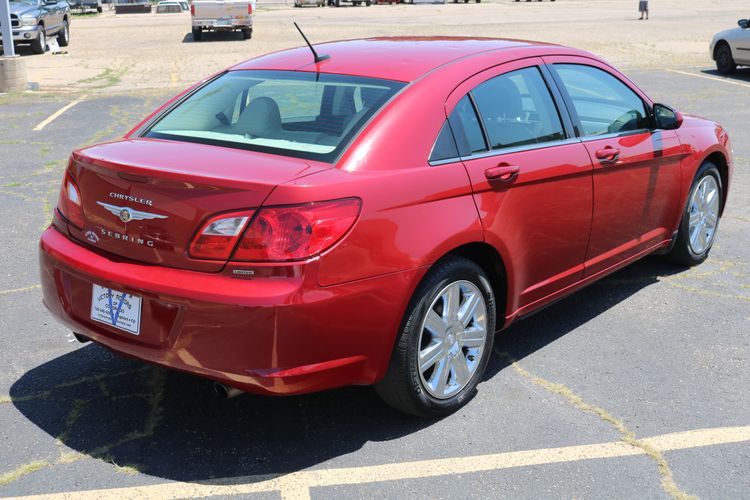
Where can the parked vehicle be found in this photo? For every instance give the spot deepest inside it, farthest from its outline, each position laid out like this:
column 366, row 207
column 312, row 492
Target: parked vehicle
column 33, row 21
column 294, row 224
column 222, row 15
column 317, row 3
column 731, row 48
column 337, row 3
column 172, row 6
column 84, row 5
column 132, row 7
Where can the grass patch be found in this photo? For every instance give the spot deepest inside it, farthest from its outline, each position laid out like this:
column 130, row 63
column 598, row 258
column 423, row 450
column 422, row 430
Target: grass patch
column 23, row 470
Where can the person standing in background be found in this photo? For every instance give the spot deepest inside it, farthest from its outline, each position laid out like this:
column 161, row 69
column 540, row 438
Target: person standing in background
column 643, row 8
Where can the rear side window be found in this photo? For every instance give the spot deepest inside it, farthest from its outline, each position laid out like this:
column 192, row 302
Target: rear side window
column 517, row 109
column 604, row 104
column 466, row 128
column 300, row 114
column 445, row 145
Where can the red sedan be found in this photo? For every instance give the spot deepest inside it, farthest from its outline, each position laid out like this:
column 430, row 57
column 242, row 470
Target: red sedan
column 294, row 224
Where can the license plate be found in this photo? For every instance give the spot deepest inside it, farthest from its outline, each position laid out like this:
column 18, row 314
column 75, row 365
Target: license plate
column 118, row 309
column 223, row 22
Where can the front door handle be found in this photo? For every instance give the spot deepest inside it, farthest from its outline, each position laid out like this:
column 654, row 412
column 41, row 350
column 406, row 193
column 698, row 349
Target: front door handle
column 502, row 173
column 608, row 154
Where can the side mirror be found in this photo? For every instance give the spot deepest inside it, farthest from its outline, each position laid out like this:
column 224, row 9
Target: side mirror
column 666, row 118
column 742, row 23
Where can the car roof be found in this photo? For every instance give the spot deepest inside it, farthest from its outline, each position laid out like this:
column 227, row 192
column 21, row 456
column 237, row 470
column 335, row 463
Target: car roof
column 393, row 58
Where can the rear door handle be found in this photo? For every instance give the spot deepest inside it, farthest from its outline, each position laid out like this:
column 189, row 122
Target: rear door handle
column 608, row 154
column 502, row 173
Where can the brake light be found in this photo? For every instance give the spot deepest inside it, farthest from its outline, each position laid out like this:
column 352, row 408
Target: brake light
column 192, row 10
column 70, row 202
column 218, row 237
column 297, row 232
column 249, row 8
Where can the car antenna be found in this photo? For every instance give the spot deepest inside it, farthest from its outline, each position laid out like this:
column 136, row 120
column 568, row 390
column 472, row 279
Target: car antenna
column 315, row 54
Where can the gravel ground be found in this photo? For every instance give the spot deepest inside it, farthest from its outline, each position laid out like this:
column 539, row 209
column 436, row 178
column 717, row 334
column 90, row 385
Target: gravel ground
column 141, row 51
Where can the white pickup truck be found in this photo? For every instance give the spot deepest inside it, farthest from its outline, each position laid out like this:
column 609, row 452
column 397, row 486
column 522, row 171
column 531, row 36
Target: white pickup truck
column 222, row 15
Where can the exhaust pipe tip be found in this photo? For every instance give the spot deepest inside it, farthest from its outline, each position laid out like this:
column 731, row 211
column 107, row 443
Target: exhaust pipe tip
column 81, row 338
column 226, row 392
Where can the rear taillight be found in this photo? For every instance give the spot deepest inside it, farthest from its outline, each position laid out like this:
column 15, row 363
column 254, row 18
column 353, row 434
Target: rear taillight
column 70, row 202
column 192, row 10
column 249, row 8
column 218, row 237
column 297, row 232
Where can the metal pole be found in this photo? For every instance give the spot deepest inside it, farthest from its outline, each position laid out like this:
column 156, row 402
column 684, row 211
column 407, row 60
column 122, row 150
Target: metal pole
column 5, row 28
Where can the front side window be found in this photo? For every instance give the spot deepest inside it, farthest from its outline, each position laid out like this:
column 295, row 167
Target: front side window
column 517, row 109
column 306, row 115
column 603, row 103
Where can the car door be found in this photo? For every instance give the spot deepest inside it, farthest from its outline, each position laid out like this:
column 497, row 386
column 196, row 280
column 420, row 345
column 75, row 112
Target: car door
column 531, row 179
column 741, row 47
column 52, row 15
column 636, row 169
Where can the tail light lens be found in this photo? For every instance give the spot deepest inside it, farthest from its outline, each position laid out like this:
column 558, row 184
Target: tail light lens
column 70, row 202
column 249, row 8
column 218, row 237
column 297, row 232
column 192, row 10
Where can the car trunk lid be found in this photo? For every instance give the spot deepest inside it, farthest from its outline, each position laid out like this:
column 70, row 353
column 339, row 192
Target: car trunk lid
column 145, row 199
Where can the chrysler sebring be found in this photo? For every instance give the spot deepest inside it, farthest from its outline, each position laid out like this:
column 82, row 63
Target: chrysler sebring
column 373, row 214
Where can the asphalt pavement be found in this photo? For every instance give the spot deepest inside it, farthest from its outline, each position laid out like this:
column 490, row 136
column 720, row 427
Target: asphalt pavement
column 635, row 387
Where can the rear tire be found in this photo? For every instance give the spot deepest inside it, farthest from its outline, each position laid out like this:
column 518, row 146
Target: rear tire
column 696, row 237
column 197, row 34
column 63, row 38
column 247, row 34
column 444, row 344
column 724, row 61
column 39, row 44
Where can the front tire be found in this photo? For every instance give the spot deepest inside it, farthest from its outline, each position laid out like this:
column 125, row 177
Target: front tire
column 445, row 342
column 700, row 221
column 39, row 44
column 724, row 61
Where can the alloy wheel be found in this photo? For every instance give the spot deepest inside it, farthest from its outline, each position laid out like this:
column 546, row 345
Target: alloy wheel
column 704, row 214
column 452, row 339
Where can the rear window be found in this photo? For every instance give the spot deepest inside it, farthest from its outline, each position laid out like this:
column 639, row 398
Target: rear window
column 300, row 114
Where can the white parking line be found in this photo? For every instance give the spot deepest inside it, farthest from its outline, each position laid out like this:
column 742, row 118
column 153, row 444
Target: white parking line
column 296, row 486
column 707, row 77
column 57, row 114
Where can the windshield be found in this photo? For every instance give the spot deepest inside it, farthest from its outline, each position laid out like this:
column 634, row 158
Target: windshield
column 300, row 114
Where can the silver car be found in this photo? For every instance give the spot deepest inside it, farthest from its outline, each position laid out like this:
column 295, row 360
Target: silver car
column 33, row 21
column 731, row 48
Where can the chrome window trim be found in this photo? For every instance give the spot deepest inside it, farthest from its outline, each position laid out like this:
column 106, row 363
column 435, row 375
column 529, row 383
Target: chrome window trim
column 614, row 135
column 505, row 151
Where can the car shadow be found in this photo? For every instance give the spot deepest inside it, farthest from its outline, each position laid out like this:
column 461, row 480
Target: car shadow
column 742, row 74
column 546, row 326
column 171, row 425
column 215, row 36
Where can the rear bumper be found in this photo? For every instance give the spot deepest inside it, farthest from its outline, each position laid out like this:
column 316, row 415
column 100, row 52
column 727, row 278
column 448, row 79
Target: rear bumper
column 263, row 335
column 223, row 24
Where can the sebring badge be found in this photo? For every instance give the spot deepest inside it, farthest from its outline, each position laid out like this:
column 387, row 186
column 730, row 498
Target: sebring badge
column 126, row 214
